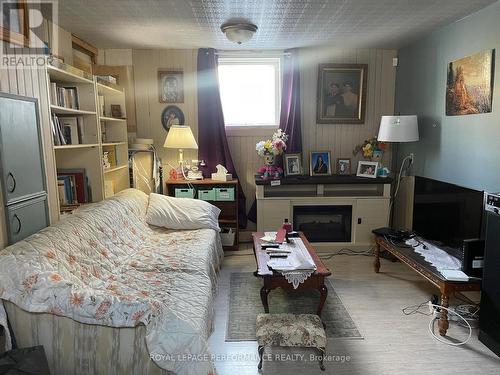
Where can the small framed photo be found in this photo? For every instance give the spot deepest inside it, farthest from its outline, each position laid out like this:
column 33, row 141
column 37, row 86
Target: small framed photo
column 367, row 169
column 320, row 163
column 116, row 111
column 171, row 86
column 344, row 166
column 293, row 164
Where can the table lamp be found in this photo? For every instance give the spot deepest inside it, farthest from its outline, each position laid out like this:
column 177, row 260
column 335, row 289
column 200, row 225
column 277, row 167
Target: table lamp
column 180, row 137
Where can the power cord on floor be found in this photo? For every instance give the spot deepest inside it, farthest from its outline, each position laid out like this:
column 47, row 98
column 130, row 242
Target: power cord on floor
column 348, row 252
column 460, row 312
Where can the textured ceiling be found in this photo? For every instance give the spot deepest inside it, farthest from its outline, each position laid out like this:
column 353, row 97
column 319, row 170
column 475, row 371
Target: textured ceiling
column 282, row 23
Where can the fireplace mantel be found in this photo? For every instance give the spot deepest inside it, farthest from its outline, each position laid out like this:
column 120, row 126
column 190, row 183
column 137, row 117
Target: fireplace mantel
column 369, row 198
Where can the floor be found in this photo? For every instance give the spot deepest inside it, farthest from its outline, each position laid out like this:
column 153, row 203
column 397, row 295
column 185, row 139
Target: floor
column 393, row 342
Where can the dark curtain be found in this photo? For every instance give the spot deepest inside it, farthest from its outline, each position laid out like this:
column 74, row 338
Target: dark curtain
column 212, row 141
column 290, row 110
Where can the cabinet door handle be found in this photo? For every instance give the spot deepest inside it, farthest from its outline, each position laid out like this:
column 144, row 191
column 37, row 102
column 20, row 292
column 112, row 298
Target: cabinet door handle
column 19, row 225
column 11, row 186
column 359, row 220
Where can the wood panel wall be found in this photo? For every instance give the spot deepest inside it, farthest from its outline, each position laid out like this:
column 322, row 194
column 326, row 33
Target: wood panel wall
column 340, row 139
column 148, row 107
column 31, row 82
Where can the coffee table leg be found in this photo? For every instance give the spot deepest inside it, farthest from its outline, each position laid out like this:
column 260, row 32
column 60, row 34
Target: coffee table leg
column 322, row 298
column 443, row 323
column 376, row 262
column 263, row 296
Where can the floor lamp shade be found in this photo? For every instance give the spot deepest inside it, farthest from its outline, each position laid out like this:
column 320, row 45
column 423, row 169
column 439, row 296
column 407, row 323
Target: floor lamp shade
column 398, row 129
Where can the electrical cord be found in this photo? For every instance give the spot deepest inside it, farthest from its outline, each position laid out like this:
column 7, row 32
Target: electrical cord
column 348, row 252
column 431, row 326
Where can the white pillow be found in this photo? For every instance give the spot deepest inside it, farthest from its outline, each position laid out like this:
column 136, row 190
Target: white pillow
column 181, row 213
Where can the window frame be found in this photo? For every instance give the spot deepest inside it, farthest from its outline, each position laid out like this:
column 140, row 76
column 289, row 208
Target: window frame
column 276, row 60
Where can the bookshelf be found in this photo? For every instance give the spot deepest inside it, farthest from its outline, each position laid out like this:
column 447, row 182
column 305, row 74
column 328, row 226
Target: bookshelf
column 114, row 137
column 83, row 133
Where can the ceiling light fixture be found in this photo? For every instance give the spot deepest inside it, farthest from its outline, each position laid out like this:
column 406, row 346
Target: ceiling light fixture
column 239, row 32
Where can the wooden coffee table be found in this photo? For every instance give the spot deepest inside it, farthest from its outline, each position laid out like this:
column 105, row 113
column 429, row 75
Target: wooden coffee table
column 417, row 263
column 277, row 280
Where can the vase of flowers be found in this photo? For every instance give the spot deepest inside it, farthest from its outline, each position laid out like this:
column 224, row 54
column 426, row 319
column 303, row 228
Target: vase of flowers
column 269, row 149
column 371, row 148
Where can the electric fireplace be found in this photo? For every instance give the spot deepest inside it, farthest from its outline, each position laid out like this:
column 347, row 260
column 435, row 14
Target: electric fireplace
column 329, row 223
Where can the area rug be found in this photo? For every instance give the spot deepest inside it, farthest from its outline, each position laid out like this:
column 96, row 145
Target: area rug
column 245, row 304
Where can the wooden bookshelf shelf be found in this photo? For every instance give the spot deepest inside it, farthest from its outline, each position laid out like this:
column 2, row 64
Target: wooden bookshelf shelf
column 82, row 145
column 112, row 119
column 62, row 76
column 69, row 111
column 103, row 87
column 114, row 169
column 114, row 143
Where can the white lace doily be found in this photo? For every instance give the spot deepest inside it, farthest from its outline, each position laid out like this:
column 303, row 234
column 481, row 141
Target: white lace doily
column 297, row 277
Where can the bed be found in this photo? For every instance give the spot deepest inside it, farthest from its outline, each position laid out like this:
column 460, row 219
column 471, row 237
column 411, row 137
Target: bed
column 105, row 293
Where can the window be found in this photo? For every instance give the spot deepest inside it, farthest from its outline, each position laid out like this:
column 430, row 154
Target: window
column 250, row 91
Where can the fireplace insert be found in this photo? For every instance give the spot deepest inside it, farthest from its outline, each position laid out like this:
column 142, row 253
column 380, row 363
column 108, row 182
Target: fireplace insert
column 324, row 223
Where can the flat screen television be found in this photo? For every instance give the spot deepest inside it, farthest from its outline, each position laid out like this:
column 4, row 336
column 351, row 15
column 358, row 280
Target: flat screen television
column 445, row 212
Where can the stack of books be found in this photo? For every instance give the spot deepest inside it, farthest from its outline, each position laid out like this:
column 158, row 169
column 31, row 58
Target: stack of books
column 67, row 130
column 64, row 96
column 73, row 187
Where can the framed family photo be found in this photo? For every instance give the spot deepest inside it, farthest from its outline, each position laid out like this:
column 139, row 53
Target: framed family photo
column 171, row 86
column 344, row 167
column 320, row 163
column 293, row 164
column 367, row 169
column 341, row 93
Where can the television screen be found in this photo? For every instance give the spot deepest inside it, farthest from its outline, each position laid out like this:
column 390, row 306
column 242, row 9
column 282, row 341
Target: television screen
column 445, row 212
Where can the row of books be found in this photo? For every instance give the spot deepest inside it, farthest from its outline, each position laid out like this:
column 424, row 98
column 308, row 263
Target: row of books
column 73, row 186
column 67, row 130
column 64, row 96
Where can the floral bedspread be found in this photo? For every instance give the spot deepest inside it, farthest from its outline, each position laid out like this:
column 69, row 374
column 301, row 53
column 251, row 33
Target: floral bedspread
column 104, row 265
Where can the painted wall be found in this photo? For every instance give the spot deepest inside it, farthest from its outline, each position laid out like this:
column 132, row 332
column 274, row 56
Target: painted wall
column 459, row 149
column 341, row 139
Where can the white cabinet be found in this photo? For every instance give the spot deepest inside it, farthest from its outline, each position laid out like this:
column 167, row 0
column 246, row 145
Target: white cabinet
column 369, row 214
column 369, row 200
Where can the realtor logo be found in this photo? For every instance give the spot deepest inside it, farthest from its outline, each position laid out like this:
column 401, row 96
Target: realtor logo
column 27, row 27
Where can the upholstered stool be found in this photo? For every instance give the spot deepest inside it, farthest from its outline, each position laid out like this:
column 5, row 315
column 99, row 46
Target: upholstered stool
column 303, row 330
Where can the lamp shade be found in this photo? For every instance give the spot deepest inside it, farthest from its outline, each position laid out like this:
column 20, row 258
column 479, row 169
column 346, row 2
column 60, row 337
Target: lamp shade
column 398, row 129
column 180, row 137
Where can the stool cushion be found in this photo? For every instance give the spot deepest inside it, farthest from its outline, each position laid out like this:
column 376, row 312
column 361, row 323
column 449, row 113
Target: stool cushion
column 305, row 330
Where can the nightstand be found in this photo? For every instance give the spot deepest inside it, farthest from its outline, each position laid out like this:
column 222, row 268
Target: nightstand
column 222, row 194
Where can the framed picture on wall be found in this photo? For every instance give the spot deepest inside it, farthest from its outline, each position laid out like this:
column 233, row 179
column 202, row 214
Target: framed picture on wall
column 171, row 86
column 341, row 94
column 367, row 169
column 172, row 115
column 320, row 163
column 469, row 88
column 293, row 164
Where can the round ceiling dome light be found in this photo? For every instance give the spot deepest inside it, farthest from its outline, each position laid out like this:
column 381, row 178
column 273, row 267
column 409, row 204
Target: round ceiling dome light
column 239, row 32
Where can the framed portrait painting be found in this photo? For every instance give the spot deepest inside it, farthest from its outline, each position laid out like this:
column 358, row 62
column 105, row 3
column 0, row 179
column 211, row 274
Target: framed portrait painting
column 293, row 164
column 171, row 86
column 172, row 115
column 341, row 97
column 320, row 163
column 469, row 88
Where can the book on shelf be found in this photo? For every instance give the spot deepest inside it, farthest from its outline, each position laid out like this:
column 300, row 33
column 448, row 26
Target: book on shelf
column 102, row 112
column 107, row 79
column 80, row 188
column 111, row 155
column 67, row 130
column 64, row 96
column 67, row 190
